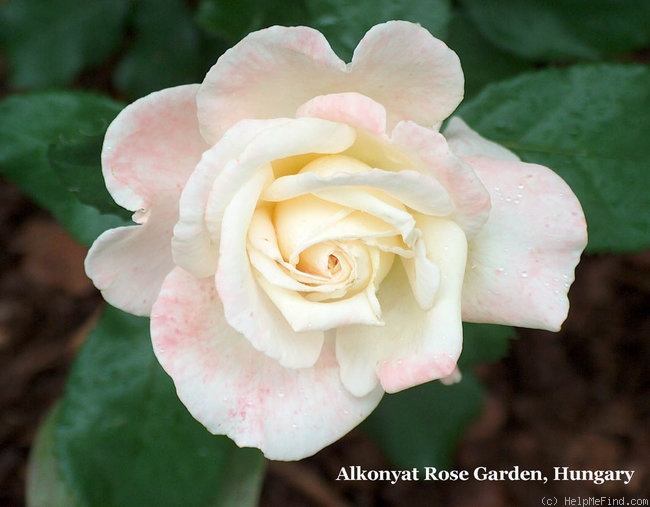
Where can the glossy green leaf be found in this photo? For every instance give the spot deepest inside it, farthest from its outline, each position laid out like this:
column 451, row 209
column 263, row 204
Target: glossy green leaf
column 563, row 30
column 49, row 43
column 44, row 485
column 232, row 20
column 344, row 23
column 421, row 426
column 75, row 158
column 123, row 438
column 29, row 126
column 590, row 124
column 167, row 49
column 482, row 62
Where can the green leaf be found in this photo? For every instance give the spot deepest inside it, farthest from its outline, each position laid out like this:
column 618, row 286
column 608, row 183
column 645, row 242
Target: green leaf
column 567, row 30
column 232, row 20
column 29, row 125
column 482, row 62
column 44, row 486
column 123, row 438
column 75, row 160
column 421, row 426
column 49, row 43
column 344, row 23
column 589, row 124
column 484, row 343
column 167, row 49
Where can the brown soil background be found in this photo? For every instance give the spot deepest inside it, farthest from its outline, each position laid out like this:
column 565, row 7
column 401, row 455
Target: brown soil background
column 579, row 398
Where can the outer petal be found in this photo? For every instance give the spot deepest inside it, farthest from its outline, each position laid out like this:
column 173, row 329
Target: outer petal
column 152, row 147
column 129, row 264
column 235, row 390
column 413, row 74
column 272, row 72
column 268, row 74
column 521, row 263
column 149, row 151
column 414, row 346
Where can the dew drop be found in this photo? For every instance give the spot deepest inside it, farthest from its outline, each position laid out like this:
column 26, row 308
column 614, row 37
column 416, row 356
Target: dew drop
column 524, row 274
column 280, row 394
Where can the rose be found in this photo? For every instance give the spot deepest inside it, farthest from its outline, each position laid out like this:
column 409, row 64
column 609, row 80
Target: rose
column 307, row 239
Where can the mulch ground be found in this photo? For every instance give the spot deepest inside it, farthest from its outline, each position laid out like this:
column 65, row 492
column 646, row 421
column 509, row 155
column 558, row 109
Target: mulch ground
column 579, row 398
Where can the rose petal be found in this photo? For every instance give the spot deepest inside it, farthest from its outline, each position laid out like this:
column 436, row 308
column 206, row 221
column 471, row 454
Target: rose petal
column 152, row 147
column 431, row 154
column 234, row 390
column 411, row 188
column 522, row 262
column 411, row 73
column 305, row 315
column 270, row 73
column 246, row 306
column 135, row 256
column 423, row 275
column 226, row 167
column 414, row 346
column 352, row 109
column 293, row 137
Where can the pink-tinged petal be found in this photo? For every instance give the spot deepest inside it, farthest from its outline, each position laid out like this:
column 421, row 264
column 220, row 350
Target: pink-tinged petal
column 247, row 308
column 411, row 73
column 465, row 142
column 272, row 72
column 235, row 390
column 152, row 147
column 129, row 264
column 353, row 109
column 522, row 262
column 415, row 346
column 430, row 153
column 268, row 74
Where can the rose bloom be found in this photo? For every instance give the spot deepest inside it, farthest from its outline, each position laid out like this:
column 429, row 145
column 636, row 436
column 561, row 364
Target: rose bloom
column 307, row 239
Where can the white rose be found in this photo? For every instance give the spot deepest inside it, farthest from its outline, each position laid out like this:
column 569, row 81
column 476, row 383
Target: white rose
column 308, row 240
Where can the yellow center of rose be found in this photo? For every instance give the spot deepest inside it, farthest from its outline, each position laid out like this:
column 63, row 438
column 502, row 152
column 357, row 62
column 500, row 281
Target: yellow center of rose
column 330, row 249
